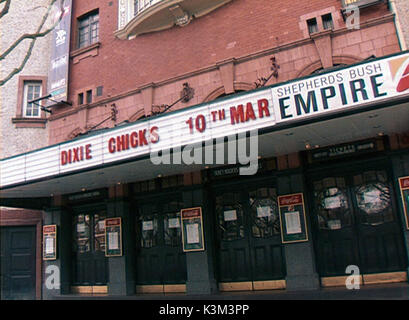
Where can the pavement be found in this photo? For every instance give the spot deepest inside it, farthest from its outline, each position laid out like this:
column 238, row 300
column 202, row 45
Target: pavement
column 391, row 291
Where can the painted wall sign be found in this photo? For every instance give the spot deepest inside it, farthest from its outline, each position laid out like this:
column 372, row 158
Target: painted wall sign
column 50, row 242
column 60, row 51
column 404, row 189
column 331, row 93
column 292, row 218
column 192, row 229
column 113, row 237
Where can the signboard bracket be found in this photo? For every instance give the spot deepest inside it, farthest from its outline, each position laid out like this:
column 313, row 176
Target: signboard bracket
column 47, row 97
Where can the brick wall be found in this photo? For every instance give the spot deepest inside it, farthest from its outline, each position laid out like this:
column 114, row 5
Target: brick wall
column 242, row 35
column 22, row 18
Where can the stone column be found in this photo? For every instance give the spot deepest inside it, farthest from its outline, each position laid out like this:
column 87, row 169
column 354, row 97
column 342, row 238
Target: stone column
column 400, row 165
column 300, row 259
column 122, row 268
column 57, row 273
column 200, row 264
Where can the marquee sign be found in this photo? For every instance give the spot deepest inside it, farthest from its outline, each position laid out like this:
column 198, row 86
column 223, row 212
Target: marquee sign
column 309, row 98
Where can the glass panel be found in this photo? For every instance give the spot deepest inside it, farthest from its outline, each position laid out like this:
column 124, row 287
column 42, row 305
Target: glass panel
column 99, row 232
column 32, row 91
column 149, row 231
column 171, row 223
column 94, row 32
column 83, row 37
column 29, row 109
column 172, row 230
column 373, row 198
column 264, row 213
column 331, row 202
column 81, row 231
column 230, row 217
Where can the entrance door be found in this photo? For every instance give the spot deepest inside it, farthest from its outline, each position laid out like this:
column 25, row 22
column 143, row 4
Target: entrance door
column 160, row 256
column 248, row 234
column 18, row 263
column 357, row 224
column 89, row 265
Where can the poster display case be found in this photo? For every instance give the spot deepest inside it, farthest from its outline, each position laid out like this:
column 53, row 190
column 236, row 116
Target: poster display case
column 113, row 237
column 192, row 229
column 50, row 242
column 292, row 218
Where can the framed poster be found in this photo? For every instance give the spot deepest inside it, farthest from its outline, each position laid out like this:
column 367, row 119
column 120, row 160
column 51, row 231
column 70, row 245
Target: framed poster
column 292, row 218
column 50, row 242
column 192, row 229
column 404, row 190
column 113, row 237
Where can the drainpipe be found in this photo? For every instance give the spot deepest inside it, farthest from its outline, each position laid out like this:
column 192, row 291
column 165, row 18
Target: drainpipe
column 398, row 25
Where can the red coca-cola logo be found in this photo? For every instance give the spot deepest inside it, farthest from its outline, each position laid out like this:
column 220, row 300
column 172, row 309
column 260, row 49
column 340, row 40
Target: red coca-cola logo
column 404, row 183
column 290, row 200
column 403, row 83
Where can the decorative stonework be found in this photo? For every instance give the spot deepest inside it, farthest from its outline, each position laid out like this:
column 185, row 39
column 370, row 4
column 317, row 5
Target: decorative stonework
column 160, row 15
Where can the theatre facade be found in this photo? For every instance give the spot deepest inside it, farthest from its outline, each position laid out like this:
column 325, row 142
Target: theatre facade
column 163, row 204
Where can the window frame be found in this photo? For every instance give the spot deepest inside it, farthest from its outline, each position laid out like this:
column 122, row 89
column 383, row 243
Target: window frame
column 35, row 84
column 20, row 120
column 86, row 22
column 327, row 21
column 312, row 25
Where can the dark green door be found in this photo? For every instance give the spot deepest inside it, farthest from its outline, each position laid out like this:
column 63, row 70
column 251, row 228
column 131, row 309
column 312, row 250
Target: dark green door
column 90, row 267
column 357, row 223
column 248, row 233
column 18, row 263
column 160, row 257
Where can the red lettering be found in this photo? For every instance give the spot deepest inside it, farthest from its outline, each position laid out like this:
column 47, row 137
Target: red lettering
column 200, row 123
column 111, row 145
column 76, row 154
column 75, row 157
column 134, row 139
column 63, row 158
column 142, row 138
column 214, row 115
column 237, row 115
column 88, row 152
column 154, row 137
column 222, row 115
column 263, row 108
column 250, row 112
column 122, row 142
